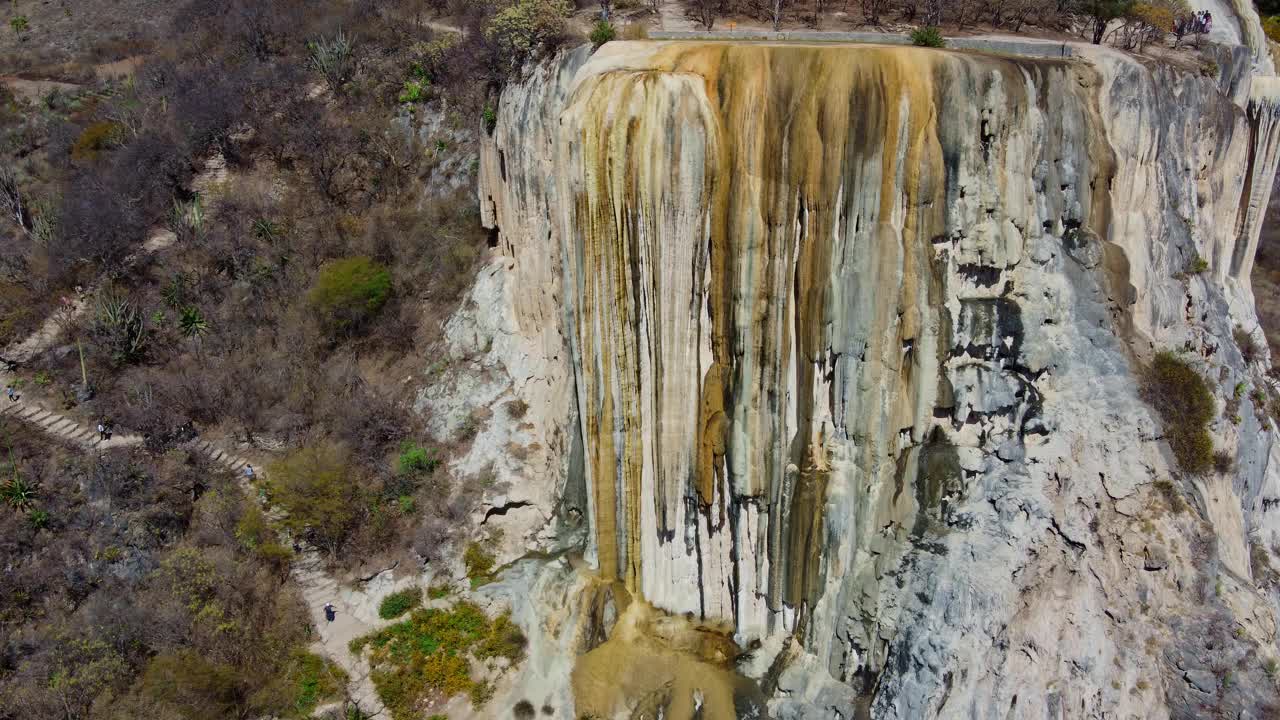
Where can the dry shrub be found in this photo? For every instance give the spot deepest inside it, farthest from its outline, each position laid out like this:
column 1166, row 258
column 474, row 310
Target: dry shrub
column 94, row 139
column 1223, row 463
column 1181, row 397
column 1249, row 349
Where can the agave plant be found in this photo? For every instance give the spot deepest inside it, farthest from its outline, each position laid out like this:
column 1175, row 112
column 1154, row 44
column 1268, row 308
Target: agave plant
column 192, row 324
column 178, row 292
column 38, row 518
column 265, row 230
column 334, row 58
column 44, row 223
column 121, row 327
column 18, row 492
column 186, row 219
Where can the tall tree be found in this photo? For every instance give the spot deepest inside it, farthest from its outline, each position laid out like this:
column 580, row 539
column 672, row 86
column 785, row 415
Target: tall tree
column 776, row 10
column 1100, row 14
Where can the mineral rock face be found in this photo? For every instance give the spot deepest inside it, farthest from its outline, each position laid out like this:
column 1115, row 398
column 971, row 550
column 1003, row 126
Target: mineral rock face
column 854, row 334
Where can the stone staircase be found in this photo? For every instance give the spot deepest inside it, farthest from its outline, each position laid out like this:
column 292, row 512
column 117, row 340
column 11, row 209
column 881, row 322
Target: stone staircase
column 61, row 426
column 235, row 463
column 356, row 608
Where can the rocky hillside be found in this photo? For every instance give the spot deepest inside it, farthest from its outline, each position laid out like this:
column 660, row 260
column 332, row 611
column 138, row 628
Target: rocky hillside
column 904, row 381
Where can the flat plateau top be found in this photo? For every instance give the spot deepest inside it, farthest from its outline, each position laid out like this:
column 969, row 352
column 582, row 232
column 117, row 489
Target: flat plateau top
column 989, row 43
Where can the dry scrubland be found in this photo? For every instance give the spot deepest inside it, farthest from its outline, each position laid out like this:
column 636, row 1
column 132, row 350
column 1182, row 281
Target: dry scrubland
column 281, row 306
column 299, row 291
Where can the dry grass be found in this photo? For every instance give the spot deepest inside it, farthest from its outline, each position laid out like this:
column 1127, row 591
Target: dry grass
column 63, row 37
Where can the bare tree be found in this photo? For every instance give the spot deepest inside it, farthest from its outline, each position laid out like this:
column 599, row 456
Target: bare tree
column 873, row 9
column 704, row 11
column 820, row 7
column 932, row 13
column 1019, row 11
column 776, row 9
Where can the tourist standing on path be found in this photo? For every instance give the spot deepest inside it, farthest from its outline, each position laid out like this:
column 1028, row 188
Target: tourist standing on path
column 330, row 612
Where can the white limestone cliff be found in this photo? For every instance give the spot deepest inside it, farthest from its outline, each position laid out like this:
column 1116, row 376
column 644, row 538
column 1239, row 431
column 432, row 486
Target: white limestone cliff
column 839, row 346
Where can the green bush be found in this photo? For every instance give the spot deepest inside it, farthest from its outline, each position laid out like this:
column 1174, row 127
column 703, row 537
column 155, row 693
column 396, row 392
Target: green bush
column 1197, row 265
column 928, row 37
column 38, row 518
column 275, row 555
column 433, row 56
column 479, row 565
column 349, row 292
column 19, row 24
column 1184, row 403
column 415, row 91
column 602, row 33
column 315, row 487
column 94, row 139
column 526, row 28
column 314, row 680
column 18, row 492
column 427, row 654
column 399, row 603
column 415, row 458
column 490, row 118
column 1271, row 26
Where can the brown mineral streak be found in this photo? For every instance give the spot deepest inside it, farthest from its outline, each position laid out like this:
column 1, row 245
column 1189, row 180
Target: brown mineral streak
column 808, row 94
column 791, row 138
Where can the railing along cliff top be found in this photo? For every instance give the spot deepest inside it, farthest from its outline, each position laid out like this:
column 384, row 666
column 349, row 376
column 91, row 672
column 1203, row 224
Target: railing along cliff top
column 1010, row 46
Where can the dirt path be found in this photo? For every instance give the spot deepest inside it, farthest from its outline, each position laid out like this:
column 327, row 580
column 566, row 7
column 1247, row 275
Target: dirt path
column 671, row 17
column 75, row 308
column 443, row 27
column 34, row 90
column 356, row 607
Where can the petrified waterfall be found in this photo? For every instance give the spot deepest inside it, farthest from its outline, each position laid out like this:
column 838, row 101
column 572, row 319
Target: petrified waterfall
column 829, row 308
column 777, row 260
